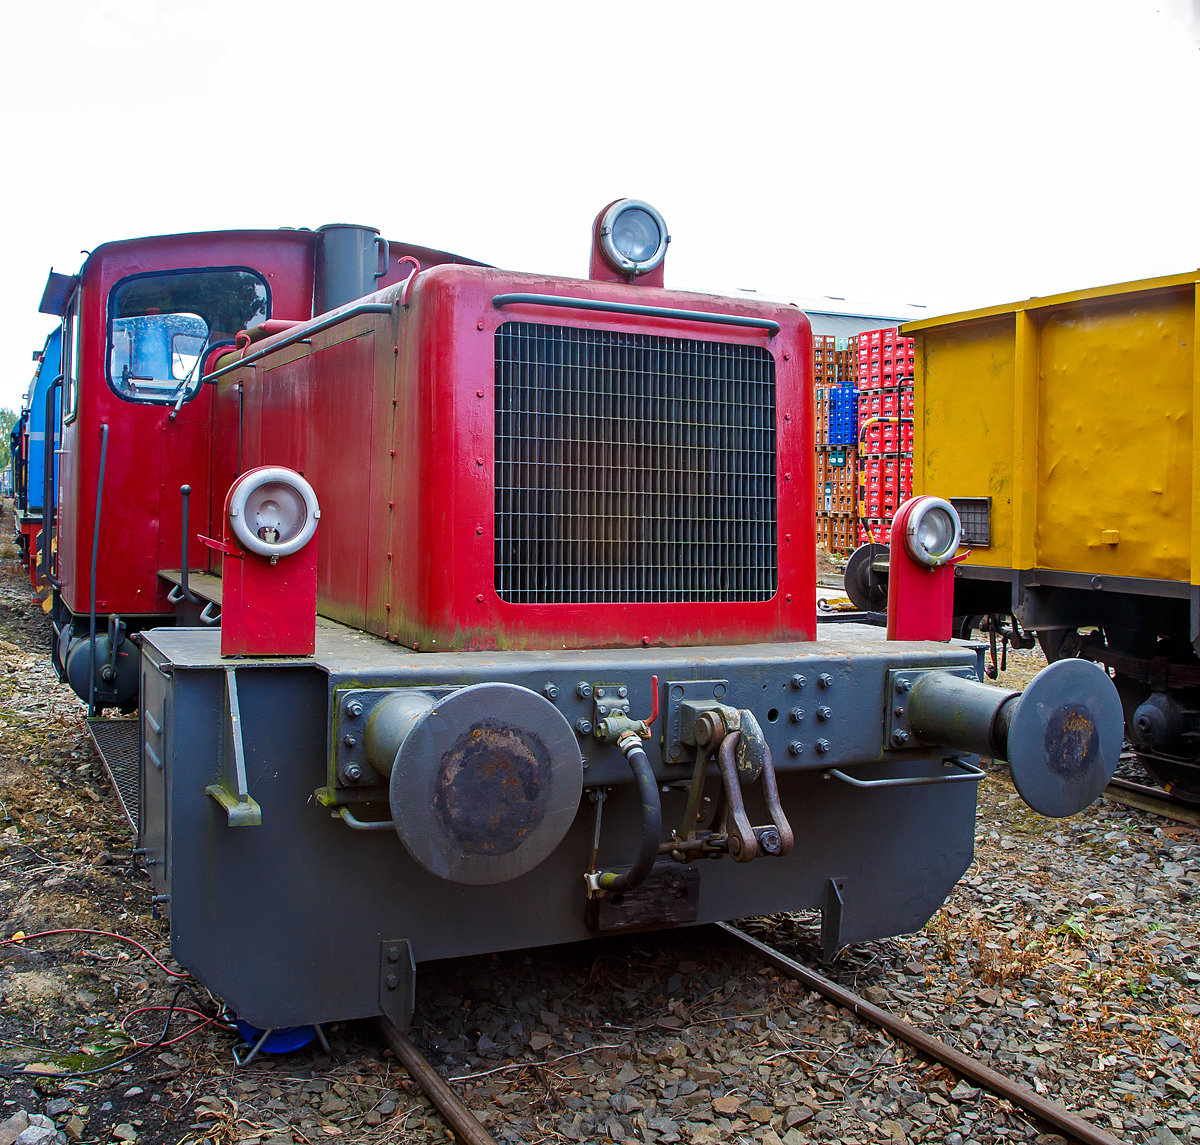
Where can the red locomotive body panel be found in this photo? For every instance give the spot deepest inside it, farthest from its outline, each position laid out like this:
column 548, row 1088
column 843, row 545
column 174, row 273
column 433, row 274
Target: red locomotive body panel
column 393, row 421
column 149, row 455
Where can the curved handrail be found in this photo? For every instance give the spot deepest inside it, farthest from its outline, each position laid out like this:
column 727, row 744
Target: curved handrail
column 772, row 327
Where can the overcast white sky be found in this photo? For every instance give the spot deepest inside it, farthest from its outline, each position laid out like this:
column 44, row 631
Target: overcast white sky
column 951, row 153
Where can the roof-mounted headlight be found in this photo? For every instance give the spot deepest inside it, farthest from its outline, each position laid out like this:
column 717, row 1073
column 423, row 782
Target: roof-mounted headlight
column 933, row 532
column 633, row 237
column 273, row 511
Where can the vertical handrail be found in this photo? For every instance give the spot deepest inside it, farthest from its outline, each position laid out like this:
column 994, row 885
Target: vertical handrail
column 95, row 552
column 49, row 455
column 185, row 492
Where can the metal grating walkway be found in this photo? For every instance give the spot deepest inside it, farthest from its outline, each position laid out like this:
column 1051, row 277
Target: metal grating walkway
column 117, row 742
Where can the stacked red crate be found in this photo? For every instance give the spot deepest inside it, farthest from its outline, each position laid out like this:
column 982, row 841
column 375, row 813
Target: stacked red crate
column 885, row 360
column 836, row 466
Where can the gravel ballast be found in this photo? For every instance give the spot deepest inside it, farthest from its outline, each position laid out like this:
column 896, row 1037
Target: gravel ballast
column 1066, row 959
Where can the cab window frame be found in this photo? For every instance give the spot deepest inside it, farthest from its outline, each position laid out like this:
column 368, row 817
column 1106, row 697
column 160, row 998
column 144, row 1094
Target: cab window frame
column 168, row 399
column 69, row 354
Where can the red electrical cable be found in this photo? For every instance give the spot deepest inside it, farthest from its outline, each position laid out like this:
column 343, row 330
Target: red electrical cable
column 186, row 1034
column 103, row 934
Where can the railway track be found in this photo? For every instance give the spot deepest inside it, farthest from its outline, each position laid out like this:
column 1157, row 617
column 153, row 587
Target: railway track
column 1147, row 797
column 466, row 1126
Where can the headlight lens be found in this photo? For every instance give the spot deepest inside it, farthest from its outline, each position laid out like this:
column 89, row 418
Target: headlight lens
column 273, row 511
column 633, row 237
column 636, row 235
column 933, row 532
column 936, row 531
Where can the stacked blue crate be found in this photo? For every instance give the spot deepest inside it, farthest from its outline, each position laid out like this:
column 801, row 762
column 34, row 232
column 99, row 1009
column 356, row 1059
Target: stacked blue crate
column 843, row 415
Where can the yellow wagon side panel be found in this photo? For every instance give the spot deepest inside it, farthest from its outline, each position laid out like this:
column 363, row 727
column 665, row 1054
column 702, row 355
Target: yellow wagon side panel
column 1074, row 414
column 963, row 436
column 1115, row 437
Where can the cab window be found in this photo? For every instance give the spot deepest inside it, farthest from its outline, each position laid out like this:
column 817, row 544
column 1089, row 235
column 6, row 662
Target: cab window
column 70, row 359
column 161, row 327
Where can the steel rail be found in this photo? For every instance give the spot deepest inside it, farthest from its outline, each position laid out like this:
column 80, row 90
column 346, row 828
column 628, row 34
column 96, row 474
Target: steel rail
column 462, row 1121
column 300, row 333
column 499, row 301
column 1049, row 1111
column 1155, row 800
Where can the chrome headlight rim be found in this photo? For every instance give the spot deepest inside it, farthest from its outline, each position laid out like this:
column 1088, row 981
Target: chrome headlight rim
column 912, row 525
column 622, row 262
column 251, row 483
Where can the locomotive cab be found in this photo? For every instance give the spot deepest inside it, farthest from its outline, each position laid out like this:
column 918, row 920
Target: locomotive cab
column 141, row 322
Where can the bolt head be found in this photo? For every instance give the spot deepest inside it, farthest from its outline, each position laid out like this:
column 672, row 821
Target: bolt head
column 823, row 713
column 550, row 692
column 823, row 745
column 354, row 709
column 352, row 773
column 825, row 680
column 622, row 692
column 583, row 690
column 796, row 715
column 795, row 748
column 798, row 681
column 392, row 981
column 903, row 686
column 900, row 738
column 349, row 740
column 600, row 693
column 898, row 710
column 583, row 727
column 393, row 954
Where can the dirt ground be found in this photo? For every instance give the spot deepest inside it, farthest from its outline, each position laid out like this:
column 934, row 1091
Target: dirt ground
column 1066, row 956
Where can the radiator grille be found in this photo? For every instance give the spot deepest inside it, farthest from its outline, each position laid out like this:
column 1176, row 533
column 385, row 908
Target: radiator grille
column 632, row 468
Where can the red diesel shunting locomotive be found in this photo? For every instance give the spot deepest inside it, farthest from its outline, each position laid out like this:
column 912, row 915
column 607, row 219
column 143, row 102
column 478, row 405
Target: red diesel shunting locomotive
column 549, row 507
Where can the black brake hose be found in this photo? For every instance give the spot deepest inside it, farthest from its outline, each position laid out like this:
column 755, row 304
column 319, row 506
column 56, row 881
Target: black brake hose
column 651, row 825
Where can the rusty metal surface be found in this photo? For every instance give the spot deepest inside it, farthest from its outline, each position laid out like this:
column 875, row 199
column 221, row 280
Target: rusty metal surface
column 487, row 788
column 1152, row 799
column 1065, row 737
column 486, row 783
column 458, row 1116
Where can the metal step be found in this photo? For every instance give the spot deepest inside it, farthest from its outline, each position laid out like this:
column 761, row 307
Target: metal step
column 117, row 742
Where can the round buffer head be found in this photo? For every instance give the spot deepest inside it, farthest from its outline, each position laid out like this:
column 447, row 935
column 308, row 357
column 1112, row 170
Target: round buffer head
column 1065, row 737
column 486, row 784
column 866, row 588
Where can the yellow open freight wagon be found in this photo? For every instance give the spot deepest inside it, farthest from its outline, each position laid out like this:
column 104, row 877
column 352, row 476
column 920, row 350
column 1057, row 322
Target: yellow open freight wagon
column 1063, row 430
